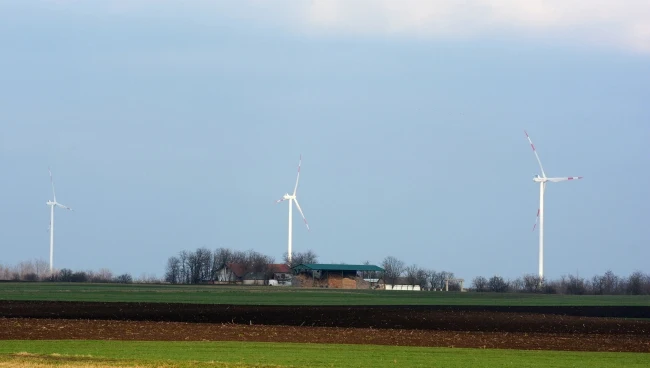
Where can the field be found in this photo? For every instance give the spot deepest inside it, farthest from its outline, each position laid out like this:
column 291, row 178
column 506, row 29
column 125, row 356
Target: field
column 243, row 355
column 267, row 295
column 164, row 325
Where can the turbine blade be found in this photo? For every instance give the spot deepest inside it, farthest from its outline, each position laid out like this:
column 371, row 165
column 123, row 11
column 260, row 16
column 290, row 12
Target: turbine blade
column 536, row 155
column 64, row 207
column 536, row 220
column 555, row 180
column 52, row 182
column 295, row 189
column 280, row 200
column 301, row 214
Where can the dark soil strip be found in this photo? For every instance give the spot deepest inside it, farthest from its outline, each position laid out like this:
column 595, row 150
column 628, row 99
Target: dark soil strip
column 447, row 318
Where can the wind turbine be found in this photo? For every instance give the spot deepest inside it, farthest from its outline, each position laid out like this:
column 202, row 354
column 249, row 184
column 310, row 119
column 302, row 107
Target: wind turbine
column 292, row 198
column 542, row 180
column 53, row 203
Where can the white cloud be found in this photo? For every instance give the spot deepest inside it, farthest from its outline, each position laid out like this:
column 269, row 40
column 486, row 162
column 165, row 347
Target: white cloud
column 614, row 23
column 619, row 23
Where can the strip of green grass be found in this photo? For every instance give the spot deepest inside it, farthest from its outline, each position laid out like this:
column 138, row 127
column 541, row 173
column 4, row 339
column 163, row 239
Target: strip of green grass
column 267, row 295
column 317, row 355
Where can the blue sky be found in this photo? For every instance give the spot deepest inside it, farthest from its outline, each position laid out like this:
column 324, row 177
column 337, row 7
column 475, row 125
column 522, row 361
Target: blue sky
column 176, row 125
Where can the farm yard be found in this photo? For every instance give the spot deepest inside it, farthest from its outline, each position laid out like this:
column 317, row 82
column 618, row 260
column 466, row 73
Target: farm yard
column 110, row 325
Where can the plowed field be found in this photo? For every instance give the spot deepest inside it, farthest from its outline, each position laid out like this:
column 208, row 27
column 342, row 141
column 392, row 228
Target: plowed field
column 406, row 326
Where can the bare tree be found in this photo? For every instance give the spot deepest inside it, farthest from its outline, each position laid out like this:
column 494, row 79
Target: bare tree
column 417, row 276
column 204, row 264
column 480, row 284
column 422, row 278
column 412, row 274
column 532, row 283
column 173, row 271
column 308, row 257
column 183, row 256
column 258, row 262
column 573, row 285
column 636, row 283
column 124, row 279
column 498, row 284
column 42, row 269
column 437, row 279
column 393, row 268
column 516, row 285
column 220, row 258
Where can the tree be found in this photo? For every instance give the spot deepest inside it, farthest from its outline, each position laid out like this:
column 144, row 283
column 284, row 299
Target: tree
column 480, row 284
column 64, row 275
column 220, row 258
column 204, row 263
column 103, row 275
column 574, row 285
column 185, row 270
column 79, row 276
column 635, row 283
column 532, row 283
column 498, row 284
column 124, row 279
column 173, row 271
column 308, row 257
column 393, row 268
column 412, row 274
column 259, row 263
column 611, row 283
column 437, row 280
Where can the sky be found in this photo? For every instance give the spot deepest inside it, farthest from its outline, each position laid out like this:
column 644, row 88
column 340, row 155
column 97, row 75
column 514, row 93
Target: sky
column 172, row 125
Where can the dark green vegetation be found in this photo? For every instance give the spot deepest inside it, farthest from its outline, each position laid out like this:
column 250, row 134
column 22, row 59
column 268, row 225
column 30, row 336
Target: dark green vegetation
column 269, row 295
column 245, row 354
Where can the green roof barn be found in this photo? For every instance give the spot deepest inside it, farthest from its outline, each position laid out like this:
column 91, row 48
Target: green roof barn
column 338, row 276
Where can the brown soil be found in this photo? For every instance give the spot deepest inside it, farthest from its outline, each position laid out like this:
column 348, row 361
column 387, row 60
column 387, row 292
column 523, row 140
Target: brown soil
column 404, row 326
column 55, row 329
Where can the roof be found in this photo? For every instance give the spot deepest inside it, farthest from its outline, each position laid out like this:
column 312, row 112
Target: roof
column 336, row 267
column 279, row 268
column 237, row 268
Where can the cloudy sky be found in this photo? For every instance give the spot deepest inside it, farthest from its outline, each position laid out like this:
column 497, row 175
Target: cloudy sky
column 172, row 125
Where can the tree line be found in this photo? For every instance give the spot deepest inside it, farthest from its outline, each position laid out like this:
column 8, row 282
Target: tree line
column 203, row 264
column 39, row 270
column 193, row 267
column 638, row 283
column 397, row 272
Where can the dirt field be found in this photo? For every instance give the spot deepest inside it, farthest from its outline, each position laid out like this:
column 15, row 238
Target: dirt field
column 406, row 326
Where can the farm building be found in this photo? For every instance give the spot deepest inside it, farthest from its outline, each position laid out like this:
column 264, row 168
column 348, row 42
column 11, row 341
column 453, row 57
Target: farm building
column 337, row 276
column 281, row 273
column 236, row 273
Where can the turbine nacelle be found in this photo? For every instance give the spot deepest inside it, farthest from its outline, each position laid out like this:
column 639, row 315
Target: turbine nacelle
column 50, row 203
column 538, row 179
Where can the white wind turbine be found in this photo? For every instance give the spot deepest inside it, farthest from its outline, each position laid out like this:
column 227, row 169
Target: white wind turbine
column 292, row 198
column 542, row 180
column 53, row 203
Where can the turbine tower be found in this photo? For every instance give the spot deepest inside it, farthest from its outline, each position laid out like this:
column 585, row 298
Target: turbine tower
column 53, row 203
column 292, row 198
column 542, row 180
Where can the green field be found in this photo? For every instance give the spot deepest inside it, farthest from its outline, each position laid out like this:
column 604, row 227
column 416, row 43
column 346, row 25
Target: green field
column 243, row 354
column 268, row 295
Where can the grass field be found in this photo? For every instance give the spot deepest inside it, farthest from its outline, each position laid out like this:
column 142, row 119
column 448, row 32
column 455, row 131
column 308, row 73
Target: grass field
column 267, row 295
column 244, row 354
